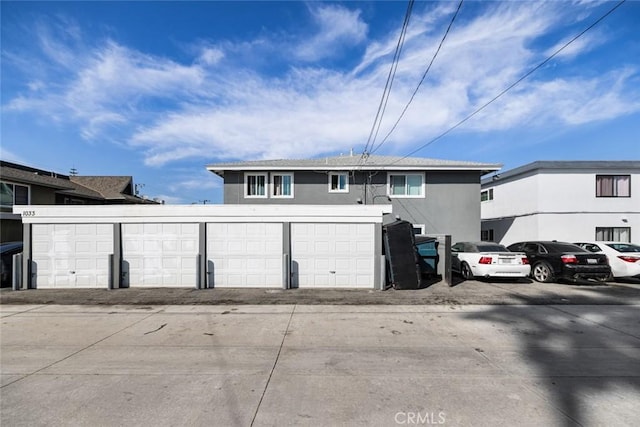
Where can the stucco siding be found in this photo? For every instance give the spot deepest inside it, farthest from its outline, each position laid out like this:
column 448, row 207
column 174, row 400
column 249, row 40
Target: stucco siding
column 450, row 206
column 559, row 203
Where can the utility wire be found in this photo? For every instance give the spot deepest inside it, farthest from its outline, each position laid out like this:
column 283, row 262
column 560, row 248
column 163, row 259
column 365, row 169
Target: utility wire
column 537, row 67
column 387, row 88
column 421, row 80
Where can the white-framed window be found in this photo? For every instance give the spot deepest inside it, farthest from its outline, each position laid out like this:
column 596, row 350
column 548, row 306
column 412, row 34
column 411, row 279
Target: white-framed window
column 613, row 185
column 14, row 194
column 405, row 185
column 338, row 182
column 486, row 195
column 418, row 229
column 281, row 185
column 613, row 234
column 255, row 185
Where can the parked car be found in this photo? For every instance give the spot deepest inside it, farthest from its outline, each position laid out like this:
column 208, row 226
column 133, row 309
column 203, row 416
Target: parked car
column 561, row 260
column 488, row 259
column 624, row 258
column 7, row 251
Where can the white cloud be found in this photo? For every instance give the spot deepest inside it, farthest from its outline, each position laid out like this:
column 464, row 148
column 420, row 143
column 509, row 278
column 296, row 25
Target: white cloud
column 217, row 107
column 210, row 56
column 337, row 27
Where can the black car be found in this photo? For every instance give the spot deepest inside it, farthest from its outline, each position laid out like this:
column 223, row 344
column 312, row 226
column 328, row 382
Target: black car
column 561, row 260
column 7, row 251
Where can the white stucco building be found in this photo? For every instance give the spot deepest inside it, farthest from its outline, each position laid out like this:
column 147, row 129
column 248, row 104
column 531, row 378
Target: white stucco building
column 561, row 200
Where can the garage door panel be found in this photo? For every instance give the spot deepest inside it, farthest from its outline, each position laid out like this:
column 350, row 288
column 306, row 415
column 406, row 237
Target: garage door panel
column 245, row 254
column 72, row 255
column 160, row 254
column 333, row 255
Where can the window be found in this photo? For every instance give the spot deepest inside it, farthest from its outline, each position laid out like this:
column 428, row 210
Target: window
column 486, row 235
column 338, row 183
column 615, row 234
column 408, row 185
column 282, row 185
column 613, row 185
column 486, row 195
column 255, row 185
column 13, row 194
column 74, row 201
column 418, row 229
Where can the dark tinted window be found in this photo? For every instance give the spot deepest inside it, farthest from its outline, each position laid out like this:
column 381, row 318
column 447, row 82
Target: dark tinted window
column 492, row 248
column 624, row 247
column 564, row 247
column 516, row 247
column 591, row 247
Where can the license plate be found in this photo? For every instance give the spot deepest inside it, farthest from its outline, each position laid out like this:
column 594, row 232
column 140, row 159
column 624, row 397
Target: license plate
column 505, row 260
column 592, row 261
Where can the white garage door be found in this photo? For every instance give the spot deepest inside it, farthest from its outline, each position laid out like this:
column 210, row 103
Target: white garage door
column 333, row 255
column 244, row 255
column 71, row 255
column 160, row 254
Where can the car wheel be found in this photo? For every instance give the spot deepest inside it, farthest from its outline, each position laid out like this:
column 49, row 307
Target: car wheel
column 465, row 271
column 542, row 272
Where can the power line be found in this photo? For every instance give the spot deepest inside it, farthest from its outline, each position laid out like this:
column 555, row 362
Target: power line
column 421, row 80
column 387, row 88
column 537, row 67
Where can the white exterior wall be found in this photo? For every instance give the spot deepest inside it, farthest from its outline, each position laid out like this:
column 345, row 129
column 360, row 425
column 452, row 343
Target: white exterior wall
column 512, row 199
column 202, row 245
column 558, row 204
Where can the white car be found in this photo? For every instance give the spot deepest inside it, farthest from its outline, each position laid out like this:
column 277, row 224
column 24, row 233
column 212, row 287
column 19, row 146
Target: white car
column 488, row 259
column 624, row 258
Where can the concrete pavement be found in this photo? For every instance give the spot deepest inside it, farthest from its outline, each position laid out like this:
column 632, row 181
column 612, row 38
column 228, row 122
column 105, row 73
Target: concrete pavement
column 465, row 292
column 268, row 365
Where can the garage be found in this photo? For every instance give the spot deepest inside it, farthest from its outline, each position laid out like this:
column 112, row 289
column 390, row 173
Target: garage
column 203, row 246
column 160, row 254
column 71, row 255
column 245, row 255
column 333, row 255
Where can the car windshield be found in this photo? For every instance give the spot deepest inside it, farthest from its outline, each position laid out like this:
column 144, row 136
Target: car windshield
column 624, row 247
column 492, row 248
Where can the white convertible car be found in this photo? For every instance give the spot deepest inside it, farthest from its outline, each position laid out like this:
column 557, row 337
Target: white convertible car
column 488, row 259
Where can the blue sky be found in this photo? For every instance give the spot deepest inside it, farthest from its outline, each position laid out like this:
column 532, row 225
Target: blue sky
column 158, row 90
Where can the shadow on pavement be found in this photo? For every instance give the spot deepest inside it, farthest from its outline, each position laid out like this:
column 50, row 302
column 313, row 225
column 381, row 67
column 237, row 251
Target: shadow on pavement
column 585, row 356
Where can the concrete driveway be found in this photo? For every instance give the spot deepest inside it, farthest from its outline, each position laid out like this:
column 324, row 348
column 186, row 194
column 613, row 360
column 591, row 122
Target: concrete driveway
column 273, row 365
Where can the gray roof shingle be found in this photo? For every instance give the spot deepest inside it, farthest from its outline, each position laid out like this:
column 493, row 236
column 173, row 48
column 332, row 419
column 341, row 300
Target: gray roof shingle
column 92, row 187
column 372, row 162
column 109, row 187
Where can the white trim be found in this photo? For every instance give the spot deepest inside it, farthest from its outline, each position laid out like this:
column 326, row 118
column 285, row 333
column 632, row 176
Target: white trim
column 421, row 227
column 90, row 214
column 365, row 167
column 14, row 192
column 246, row 185
column 489, row 192
column 332, row 174
column 272, row 186
column 406, row 196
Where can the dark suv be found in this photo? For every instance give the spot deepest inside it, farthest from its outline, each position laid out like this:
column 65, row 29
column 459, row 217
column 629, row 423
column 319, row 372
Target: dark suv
column 561, row 260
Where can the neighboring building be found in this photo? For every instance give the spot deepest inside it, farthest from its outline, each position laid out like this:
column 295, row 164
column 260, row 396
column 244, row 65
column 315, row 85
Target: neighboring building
column 437, row 196
column 567, row 201
column 23, row 185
